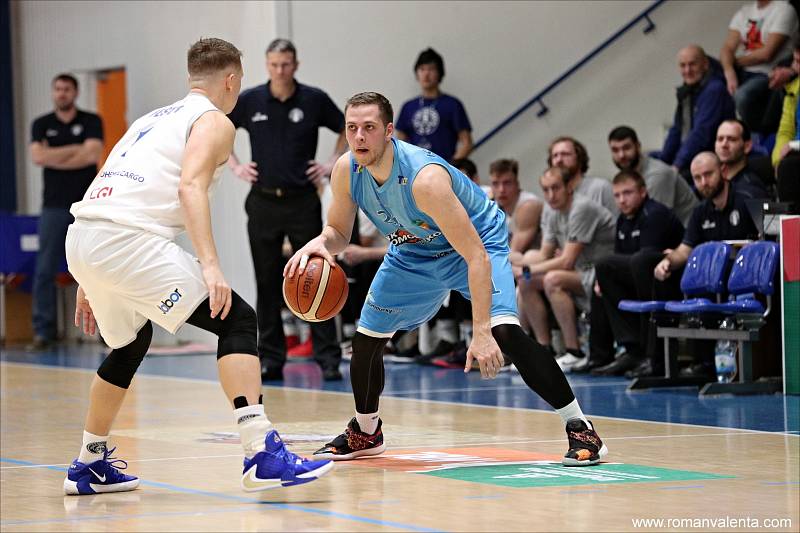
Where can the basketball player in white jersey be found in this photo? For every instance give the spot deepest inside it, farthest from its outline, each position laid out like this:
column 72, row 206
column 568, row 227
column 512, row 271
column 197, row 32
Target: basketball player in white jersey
column 154, row 185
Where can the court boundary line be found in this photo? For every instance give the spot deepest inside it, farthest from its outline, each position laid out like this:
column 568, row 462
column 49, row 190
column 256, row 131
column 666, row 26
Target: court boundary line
column 230, row 497
column 399, row 398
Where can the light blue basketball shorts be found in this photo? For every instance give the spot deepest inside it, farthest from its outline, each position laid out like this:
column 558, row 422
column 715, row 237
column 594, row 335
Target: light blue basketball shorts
column 409, row 289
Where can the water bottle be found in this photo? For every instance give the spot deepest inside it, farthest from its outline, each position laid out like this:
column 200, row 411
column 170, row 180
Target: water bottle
column 725, row 355
column 584, row 329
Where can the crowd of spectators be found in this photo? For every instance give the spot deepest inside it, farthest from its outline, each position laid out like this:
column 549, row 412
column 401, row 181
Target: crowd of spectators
column 590, row 241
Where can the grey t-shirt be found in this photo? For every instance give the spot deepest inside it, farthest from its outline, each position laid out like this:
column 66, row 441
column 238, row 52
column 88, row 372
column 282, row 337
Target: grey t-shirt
column 585, row 222
column 600, row 191
column 665, row 186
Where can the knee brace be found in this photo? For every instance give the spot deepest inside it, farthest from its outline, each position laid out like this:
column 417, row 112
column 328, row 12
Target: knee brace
column 121, row 364
column 239, row 330
column 236, row 334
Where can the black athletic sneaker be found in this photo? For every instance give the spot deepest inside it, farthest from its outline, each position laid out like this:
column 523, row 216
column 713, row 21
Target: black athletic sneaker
column 455, row 359
column 353, row 443
column 585, row 446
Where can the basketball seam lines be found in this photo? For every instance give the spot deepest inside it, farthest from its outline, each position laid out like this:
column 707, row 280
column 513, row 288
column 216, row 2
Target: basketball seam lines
column 323, row 284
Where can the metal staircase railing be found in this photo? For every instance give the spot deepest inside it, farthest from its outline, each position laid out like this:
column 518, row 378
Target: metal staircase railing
column 538, row 98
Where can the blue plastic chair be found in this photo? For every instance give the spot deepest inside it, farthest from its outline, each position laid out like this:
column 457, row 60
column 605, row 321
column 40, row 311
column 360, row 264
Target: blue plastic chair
column 704, row 273
column 752, row 273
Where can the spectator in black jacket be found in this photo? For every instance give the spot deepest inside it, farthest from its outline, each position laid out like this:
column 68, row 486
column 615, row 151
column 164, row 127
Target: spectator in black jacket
column 645, row 229
column 733, row 146
column 722, row 215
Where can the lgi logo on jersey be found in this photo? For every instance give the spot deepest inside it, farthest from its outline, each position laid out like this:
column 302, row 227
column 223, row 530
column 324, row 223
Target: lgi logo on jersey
column 169, row 302
column 100, row 192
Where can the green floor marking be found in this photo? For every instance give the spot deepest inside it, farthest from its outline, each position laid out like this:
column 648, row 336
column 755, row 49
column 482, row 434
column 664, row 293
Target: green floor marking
column 555, row 475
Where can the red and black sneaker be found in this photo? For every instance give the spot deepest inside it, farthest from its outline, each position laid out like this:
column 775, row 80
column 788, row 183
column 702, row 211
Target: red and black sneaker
column 353, row 443
column 585, row 446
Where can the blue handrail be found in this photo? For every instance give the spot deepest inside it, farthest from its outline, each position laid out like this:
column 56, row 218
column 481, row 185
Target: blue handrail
column 541, row 94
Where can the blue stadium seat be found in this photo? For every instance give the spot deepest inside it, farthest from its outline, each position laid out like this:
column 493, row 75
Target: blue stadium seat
column 704, row 273
column 752, row 273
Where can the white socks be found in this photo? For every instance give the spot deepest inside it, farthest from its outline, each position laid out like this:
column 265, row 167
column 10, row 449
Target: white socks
column 571, row 411
column 446, row 330
column 92, row 448
column 253, row 426
column 465, row 332
column 367, row 422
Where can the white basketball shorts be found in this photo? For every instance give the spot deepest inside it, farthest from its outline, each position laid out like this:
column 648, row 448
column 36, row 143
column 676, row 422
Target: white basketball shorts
column 131, row 276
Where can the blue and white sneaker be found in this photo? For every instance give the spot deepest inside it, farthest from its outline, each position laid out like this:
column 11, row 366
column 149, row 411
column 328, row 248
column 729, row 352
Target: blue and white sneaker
column 276, row 466
column 102, row 475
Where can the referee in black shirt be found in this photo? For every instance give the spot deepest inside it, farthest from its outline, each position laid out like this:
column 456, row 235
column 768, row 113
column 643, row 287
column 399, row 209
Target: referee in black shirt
column 283, row 118
column 68, row 143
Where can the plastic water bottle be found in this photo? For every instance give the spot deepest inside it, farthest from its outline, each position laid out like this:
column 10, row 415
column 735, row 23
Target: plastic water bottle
column 584, row 332
column 725, row 355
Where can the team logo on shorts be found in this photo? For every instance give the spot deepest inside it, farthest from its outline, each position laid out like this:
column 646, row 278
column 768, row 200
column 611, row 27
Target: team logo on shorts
column 169, row 302
column 439, row 255
column 370, row 302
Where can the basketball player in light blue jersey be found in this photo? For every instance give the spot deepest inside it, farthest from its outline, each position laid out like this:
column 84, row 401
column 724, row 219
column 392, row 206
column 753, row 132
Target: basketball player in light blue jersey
column 445, row 234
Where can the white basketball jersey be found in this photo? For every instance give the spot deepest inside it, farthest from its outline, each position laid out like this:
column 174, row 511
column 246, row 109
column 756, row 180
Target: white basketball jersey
column 138, row 184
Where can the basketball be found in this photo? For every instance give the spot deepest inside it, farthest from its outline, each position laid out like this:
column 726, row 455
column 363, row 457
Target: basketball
column 319, row 294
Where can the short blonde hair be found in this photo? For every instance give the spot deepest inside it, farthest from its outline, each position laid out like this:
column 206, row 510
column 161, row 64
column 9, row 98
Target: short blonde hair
column 211, row 55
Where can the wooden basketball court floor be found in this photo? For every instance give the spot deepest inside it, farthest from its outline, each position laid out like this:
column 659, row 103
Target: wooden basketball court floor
column 463, row 455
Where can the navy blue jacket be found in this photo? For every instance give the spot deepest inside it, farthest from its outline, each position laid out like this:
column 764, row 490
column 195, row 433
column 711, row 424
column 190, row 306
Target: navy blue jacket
column 711, row 104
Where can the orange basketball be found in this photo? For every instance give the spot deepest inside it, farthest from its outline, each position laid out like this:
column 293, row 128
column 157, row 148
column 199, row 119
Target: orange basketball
column 319, row 294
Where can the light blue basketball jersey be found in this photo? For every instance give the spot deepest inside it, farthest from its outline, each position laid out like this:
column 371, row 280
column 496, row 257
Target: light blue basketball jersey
column 420, row 268
column 392, row 208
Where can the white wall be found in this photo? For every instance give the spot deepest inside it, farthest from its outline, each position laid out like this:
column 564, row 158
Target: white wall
column 497, row 55
column 150, row 40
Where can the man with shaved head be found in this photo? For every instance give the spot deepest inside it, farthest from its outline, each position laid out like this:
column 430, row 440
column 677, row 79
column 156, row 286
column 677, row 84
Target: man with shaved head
column 703, row 103
column 722, row 215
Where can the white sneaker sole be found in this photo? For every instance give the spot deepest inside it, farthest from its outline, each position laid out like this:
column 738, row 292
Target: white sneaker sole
column 318, row 473
column 399, row 359
column 355, row 455
column 71, row 487
column 566, row 461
